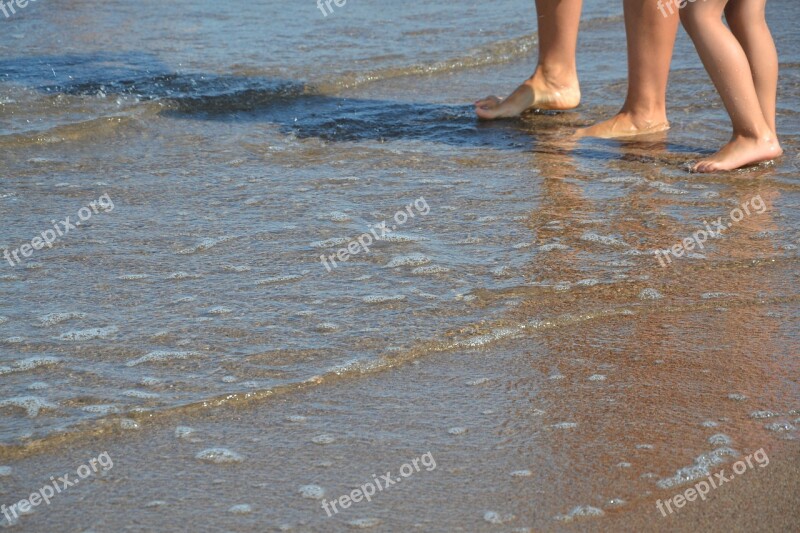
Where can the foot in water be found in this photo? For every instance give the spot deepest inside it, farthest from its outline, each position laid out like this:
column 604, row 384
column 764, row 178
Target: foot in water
column 740, row 152
column 535, row 93
column 626, row 124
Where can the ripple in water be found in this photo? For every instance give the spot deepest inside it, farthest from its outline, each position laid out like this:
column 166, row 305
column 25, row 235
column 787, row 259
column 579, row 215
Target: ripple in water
column 160, row 356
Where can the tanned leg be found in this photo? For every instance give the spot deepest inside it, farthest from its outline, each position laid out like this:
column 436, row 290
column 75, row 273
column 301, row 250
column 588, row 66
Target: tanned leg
column 651, row 38
column 554, row 84
column 747, row 20
column 753, row 139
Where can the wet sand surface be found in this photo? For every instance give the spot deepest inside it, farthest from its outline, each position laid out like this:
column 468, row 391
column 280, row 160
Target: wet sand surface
column 499, row 427
column 517, row 327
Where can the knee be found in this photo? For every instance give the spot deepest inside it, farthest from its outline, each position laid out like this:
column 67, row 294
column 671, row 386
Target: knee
column 741, row 15
column 695, row 15
column 690, row 18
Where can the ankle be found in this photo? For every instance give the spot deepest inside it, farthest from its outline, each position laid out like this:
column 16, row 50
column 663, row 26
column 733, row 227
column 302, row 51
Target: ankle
column 555, row 75
column 764, row 134
column 645, row 116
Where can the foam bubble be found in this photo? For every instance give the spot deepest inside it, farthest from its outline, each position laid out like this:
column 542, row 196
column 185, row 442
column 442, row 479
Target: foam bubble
column 101, row 409
column 29, row 364
column 330, row 243
column 780, row 426
column 597, row 377
column 89, row 334
column 582, row 511
column 364, row 523
column 762, row 414
column 132, row 277
column 220, row 310
column 521, row 473
column 493, row 517
column 335, row 216
column 664, row 188
column 288, row 278
column 379, row 299
column 720, row 439
column 241, row 508
column 494, row 335
column 414, row 259
column 312, row 492
column 737, row 397
column 402, row 238
column 623, row 179
column 604, row 239
column 31, row 404
column 429, row 270
column 129, row 424
column 180, row 276
column 701, row 468
column 237, row 268
column 219, row 456
column 565, row 425
column 57, row 318
column 144, row 395
column 479, row 381
column 205, row 244
column 457, row 431
column 323, row 439
column 552, row 246
column 184, row 432
column 650, row 294
column 161, row 355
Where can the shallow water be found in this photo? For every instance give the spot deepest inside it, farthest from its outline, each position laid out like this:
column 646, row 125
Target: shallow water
column 238, row 143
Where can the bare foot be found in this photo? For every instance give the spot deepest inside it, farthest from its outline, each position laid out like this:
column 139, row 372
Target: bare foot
column 625, row 124
column 739, row 152
column 535, row 93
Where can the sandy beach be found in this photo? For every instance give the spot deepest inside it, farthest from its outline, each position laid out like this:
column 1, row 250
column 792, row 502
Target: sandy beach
column 286, row 281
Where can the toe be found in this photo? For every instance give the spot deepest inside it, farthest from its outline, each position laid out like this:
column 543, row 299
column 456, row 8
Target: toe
column 485, row 113
column 488, row 101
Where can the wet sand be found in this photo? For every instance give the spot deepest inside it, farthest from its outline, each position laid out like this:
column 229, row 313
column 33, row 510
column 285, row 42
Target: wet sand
column 523, row 437
column 521, row 333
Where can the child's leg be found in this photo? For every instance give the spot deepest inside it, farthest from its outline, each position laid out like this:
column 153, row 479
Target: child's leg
column 554, row 84
column 650, row 35
column 726, row 62
column 747, row 21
